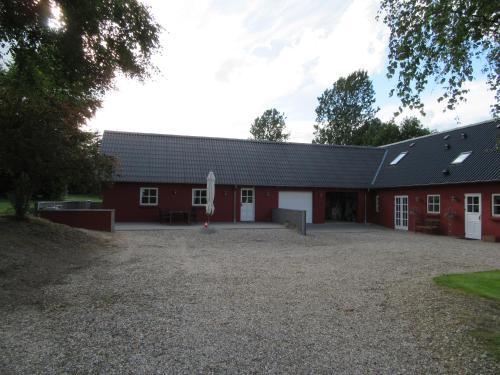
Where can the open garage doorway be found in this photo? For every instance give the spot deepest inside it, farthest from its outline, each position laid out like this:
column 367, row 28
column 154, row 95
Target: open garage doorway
column 341, row 206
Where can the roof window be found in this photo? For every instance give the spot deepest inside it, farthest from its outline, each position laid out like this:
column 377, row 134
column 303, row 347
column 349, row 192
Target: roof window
column 398, row 158
column 461, row 157
column 446, row 136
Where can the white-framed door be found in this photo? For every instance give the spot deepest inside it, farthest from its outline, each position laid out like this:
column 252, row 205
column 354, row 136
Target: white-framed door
column 401, row 212
column 247, row 204
column 472, row 216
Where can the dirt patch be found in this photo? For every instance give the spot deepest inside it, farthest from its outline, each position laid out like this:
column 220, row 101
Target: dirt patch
column 36, row 252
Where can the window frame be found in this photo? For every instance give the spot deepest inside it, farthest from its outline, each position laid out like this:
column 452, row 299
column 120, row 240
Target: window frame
column 493, row 204
column 141, row 192
column 434, row 203
column 193, row 197
column 398, row 158
column 465, row 156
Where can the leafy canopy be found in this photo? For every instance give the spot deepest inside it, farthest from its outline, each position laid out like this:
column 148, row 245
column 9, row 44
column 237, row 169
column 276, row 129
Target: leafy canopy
column 344, row 108
column 85, row 43
column 270, row 127
column 441, row 40
column 58, row 58
column 377, row 133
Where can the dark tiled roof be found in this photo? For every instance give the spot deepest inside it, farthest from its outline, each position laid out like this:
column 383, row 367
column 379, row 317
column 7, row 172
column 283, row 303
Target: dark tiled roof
column 185, row 159
column 429, row 157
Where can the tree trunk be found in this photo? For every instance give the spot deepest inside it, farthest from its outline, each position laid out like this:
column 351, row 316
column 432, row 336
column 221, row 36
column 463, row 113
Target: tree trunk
column 20, row 195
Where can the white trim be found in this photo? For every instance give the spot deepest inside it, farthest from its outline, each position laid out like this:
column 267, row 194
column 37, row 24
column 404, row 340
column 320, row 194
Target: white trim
column 142, row 189
column 193, row 196
column 439, row 204
column 493, row 204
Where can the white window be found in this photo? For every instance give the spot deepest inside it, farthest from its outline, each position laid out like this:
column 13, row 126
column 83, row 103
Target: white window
column 461, row 157
column 199, row 197
column 377, row 203
column 433, row 204
column 149, row 196
column 398, row 158
column 495, row 204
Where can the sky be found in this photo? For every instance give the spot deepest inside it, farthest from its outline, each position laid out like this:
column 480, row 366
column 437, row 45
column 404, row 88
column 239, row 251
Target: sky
column 224, row 62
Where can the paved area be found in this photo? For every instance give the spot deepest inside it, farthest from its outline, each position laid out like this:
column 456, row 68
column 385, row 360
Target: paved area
column 259, row 301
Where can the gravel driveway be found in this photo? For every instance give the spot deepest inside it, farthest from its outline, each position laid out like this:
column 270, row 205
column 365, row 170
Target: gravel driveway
column 258, row 301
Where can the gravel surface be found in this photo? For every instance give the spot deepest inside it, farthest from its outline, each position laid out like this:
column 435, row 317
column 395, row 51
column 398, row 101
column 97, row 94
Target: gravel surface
column 257, row 301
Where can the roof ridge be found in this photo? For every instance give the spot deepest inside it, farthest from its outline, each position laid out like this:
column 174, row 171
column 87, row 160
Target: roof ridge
column 238, row 139
column 492, row 120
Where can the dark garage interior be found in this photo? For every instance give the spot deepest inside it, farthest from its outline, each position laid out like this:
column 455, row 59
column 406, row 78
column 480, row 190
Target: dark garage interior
column 341, row 206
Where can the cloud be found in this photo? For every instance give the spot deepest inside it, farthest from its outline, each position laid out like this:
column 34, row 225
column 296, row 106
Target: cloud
column 226, row 61
column 475, row 109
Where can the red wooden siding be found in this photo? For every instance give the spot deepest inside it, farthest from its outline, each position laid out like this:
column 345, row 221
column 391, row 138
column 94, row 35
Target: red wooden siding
column 124, row 198
column 451, row 207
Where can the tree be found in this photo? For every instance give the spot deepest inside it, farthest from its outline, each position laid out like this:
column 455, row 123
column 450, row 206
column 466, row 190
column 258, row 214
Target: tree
column 42, row 148
column 270, row 127
column 411, row 127
column 441, row 40
column 344, row 108
column 378, row 133
column 58, row 58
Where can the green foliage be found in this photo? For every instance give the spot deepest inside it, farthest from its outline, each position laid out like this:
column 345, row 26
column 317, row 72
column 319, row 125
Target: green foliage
column 86, row 45
column 377, row 133
column 411, row 127
column 440, row 40
column 484, row 284
column 53, row 74
column 270, row 127
column 344, row 108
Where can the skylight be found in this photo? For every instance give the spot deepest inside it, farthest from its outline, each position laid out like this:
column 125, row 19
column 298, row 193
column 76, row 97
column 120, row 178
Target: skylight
column 398, row 158
column 461, row 157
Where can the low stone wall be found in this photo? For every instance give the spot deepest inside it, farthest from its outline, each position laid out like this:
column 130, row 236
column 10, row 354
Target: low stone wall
column 99, row 219
column 293, row 218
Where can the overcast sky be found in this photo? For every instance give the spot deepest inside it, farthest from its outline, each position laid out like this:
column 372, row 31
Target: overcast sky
column 226, row 61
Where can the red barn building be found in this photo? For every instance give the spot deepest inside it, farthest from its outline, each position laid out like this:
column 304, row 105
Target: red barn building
column 448, row 182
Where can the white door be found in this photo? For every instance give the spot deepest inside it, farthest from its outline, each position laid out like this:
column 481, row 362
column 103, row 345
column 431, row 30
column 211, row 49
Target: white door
column 473, row 216
column 401, row 212
column 297, row 200
column 247, row 204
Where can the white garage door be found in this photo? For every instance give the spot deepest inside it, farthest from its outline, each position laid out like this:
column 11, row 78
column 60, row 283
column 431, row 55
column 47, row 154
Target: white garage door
column 297, row 200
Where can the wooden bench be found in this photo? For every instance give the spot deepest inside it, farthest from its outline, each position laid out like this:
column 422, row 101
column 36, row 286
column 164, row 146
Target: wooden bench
column 429, row 225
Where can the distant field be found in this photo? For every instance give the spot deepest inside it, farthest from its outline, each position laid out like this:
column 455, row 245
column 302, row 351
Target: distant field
column 6, row 207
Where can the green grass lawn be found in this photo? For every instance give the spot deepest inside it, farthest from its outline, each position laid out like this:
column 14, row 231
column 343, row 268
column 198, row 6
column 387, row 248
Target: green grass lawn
column 6, row 207
column 484, row 284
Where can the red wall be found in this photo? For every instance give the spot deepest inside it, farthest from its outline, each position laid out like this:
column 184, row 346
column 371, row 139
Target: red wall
column 452, row 202
column 103, row 220
column 124, row 198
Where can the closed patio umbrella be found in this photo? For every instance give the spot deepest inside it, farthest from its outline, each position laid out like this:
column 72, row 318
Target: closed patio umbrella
column 210, row 208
